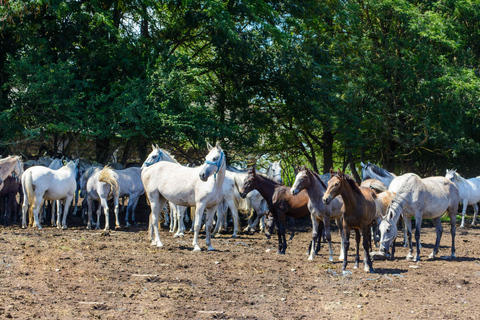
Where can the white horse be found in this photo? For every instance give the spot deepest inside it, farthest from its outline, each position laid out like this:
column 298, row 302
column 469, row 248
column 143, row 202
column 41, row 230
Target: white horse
column 371, row 171
column 39, row 183
column 469, row 190
column 54, row 165
column 126, row 182
column 427, row 198
column 94, row 190
column 199, row 187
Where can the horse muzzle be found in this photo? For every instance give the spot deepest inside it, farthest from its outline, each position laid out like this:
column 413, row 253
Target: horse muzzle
column 327, row 200
column 243, row 194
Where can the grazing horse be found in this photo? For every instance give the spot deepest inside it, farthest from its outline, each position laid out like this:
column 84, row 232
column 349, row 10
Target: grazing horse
column 427, row 198
column 358, row 213
column 469, row 191
column 199, row 187
column 308, row 180
column 39, row 183
column 371, row 171
column 11, row 169
column 280, row 202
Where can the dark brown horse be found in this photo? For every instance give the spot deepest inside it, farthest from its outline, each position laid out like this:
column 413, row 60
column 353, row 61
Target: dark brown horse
column 358, row 213
column 280, row 202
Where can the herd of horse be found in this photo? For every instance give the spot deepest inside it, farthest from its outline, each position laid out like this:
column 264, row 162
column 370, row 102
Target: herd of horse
column 214, row 188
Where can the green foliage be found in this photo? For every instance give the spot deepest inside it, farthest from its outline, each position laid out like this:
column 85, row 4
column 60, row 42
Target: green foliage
column 325, row 83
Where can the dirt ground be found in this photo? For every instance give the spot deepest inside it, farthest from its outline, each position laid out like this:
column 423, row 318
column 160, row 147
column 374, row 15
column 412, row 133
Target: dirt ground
column 82, row 274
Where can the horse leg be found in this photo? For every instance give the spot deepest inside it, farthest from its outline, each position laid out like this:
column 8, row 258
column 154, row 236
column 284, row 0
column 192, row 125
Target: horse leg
column 89, row 205
column 320, row 233
column 58, row 206
column 367, row 243
column 328, row 236
column 439, row 230
column 68, row 201
column 36, row 208
column 106, row 211
column 208, row 227
column 156, row 205
column 200, row 208
column 346, row 245
column 282, row 242
column 292, row 228
column 464, row 210
column 357, row 249
column 408, row 229
column 475, row 209
column 117, row 209
column 133, row 208
column 453, row 227
column 99, row 214
column 181, row 224
column 315, row 226
column 418, row 226
column 339, row 224
column 221, row 213
column 236, row 220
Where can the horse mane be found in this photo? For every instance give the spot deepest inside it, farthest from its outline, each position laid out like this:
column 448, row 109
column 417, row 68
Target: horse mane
column 166, row 154
column 315, row 175
column 353, row 184
column 379, row 171
column 265, row 177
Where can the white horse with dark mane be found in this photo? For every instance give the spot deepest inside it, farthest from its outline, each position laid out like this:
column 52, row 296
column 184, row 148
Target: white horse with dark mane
column 371, row 171
column 469, row 190
column 41, row 183
column 199, row 187
column 427, row 198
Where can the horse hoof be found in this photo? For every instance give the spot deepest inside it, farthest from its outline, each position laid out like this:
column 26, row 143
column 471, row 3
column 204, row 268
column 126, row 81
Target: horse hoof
column 310, row 259
column 416, row 259
column 159, row 245
column 330, row 259
column 64, row 228
column 178, row 235
column 118, row 228
column 234, row 236
column 197, row 249
column 210, row 248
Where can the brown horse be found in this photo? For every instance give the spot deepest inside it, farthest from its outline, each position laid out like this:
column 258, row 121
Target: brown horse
column 358, row 213
column 280, row 202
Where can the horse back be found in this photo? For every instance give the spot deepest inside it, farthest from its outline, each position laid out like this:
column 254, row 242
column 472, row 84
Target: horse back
column 293, row 206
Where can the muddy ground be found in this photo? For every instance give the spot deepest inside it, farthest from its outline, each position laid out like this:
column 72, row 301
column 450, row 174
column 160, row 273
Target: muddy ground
column 82, row 274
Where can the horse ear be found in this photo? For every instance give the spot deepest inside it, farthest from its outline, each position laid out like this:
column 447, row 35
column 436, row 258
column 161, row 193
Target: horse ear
column 209, row 146
column 331, row 171
column 363, row 164
column 254, row 167
column 153, row 147
column 217, row 145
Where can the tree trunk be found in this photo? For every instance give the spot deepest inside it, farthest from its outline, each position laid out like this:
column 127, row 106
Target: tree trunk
column 102, row 150
column 327, row 147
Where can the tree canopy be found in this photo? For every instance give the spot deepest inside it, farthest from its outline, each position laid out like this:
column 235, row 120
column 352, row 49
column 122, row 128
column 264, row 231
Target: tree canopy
column 323, row 83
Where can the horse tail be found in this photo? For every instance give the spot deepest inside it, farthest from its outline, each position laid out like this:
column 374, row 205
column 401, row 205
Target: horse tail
column 107, row 175
column 28, row 196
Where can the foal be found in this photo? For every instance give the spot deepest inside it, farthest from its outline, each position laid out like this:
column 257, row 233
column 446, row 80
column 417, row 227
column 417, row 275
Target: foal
column 358, row 213
column 280, row 202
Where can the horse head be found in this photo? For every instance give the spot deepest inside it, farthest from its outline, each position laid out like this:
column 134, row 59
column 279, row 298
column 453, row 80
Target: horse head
column 388, row 226
column 274, row 171
column 154, row 157
column 334, row 187
column 214, row 161
column 302, row 181
column 248, row 183
column 450, row 175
